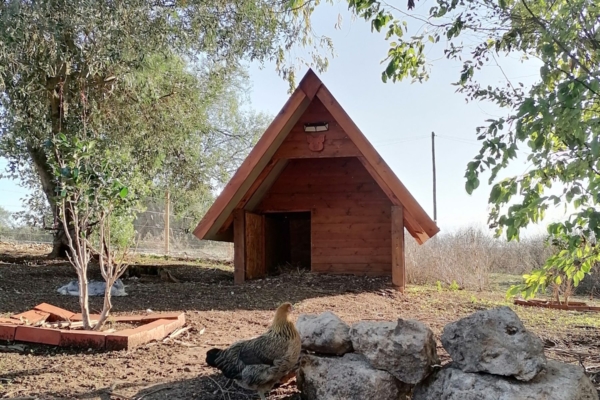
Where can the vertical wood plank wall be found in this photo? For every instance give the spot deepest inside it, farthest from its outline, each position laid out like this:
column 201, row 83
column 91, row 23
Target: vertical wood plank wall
column 336, row 142
column 398, row 260
column 351, row 216
column 255, row 246
column 239, row 244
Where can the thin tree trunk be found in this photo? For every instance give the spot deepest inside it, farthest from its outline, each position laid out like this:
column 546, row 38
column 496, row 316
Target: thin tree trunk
column 84, row 299
column 107, row 305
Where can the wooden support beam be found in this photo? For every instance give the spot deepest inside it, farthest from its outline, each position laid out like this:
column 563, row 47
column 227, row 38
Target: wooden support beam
column 255, row 246
column 398, row 261
column 239, row 246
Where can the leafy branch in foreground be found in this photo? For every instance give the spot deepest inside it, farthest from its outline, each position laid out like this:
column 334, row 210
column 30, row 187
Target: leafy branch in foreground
column 555, row 122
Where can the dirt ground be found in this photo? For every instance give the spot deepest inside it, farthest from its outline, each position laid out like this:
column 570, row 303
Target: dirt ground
column 221, row 313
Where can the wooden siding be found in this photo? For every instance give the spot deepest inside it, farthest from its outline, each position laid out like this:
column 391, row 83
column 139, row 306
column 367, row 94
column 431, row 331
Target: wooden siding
column 398, row 260
column 239, row 247
column 255, row 246
column 343, row 139
column 351, row 215
column 336, row 144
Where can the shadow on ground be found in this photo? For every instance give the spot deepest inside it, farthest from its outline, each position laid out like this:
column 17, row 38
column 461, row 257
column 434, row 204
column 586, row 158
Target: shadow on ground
column 28, row 281
column 209, row 387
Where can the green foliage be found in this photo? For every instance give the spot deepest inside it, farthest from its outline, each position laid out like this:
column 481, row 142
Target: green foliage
column 162, row 80
column 90, row 176
column 454, row 286
column 555, row 120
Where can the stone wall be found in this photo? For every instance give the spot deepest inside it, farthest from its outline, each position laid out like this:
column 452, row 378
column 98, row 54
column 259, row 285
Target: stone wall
column 493, row 357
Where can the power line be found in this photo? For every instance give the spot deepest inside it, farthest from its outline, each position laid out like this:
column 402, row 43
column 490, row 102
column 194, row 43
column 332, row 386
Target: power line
column 401, row 140
column 475, row 143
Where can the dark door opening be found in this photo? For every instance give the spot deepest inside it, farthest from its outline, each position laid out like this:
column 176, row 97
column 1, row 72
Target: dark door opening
column 287, row 241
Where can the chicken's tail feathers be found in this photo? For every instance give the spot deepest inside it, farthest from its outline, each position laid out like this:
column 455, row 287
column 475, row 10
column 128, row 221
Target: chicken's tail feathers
column 226, row 361
column 211, row 357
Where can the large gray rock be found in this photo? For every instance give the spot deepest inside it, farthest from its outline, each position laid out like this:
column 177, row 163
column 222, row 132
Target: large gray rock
column 346, row 378
column 559, row 382
column 406, row 348
column 325, row 333
column 494, row 341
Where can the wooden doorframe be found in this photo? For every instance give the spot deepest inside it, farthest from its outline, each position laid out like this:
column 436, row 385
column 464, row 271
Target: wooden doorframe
column 239, row 246
column 255, row 267
column 310, row 211
column 243, row 256
column 248, row 246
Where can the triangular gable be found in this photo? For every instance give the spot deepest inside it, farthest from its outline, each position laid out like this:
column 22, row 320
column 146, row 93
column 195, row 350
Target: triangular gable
column 259, row 170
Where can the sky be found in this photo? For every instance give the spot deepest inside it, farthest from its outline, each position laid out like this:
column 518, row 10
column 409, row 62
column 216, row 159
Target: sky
column 397, row 118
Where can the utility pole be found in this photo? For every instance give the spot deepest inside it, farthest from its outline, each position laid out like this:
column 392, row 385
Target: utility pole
column 434, row 183
column 167, row 218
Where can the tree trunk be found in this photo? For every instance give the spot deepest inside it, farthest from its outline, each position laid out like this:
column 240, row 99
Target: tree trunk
column 107, row 304
column 84, row 299
column 54, row 87
column 44, row 172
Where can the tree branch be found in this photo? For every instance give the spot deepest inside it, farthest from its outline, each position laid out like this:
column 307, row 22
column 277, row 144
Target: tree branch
column 554, row 39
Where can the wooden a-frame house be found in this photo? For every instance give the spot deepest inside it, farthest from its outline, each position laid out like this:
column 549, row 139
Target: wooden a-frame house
column 314, row 192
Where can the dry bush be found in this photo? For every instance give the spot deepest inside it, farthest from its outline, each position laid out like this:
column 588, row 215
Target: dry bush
column 468, row 256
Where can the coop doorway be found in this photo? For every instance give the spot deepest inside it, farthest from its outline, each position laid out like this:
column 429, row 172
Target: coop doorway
column 287, row 241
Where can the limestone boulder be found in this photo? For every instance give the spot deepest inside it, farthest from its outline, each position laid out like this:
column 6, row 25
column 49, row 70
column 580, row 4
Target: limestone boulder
column 558, row 382
column 325, row 333
column 496, row 342
column 405, row 348
column 350, row 377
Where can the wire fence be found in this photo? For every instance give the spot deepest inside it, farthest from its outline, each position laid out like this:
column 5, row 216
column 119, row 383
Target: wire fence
column 152, row 235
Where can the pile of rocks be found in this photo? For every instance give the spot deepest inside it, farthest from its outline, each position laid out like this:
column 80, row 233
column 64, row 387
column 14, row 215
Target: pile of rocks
column 370, row 360
column 493, row 357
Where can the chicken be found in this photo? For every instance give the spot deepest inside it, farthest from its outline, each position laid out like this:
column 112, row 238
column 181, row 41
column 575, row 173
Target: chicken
column 259, row 363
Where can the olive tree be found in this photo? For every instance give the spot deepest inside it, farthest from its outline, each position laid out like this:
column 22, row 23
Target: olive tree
column 62, row 59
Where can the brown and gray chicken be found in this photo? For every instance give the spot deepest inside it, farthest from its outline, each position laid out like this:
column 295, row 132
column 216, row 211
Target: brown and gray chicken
column 259, row 363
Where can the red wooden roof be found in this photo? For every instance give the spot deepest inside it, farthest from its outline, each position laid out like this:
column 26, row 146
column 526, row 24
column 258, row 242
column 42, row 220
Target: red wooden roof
column 258, row 167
